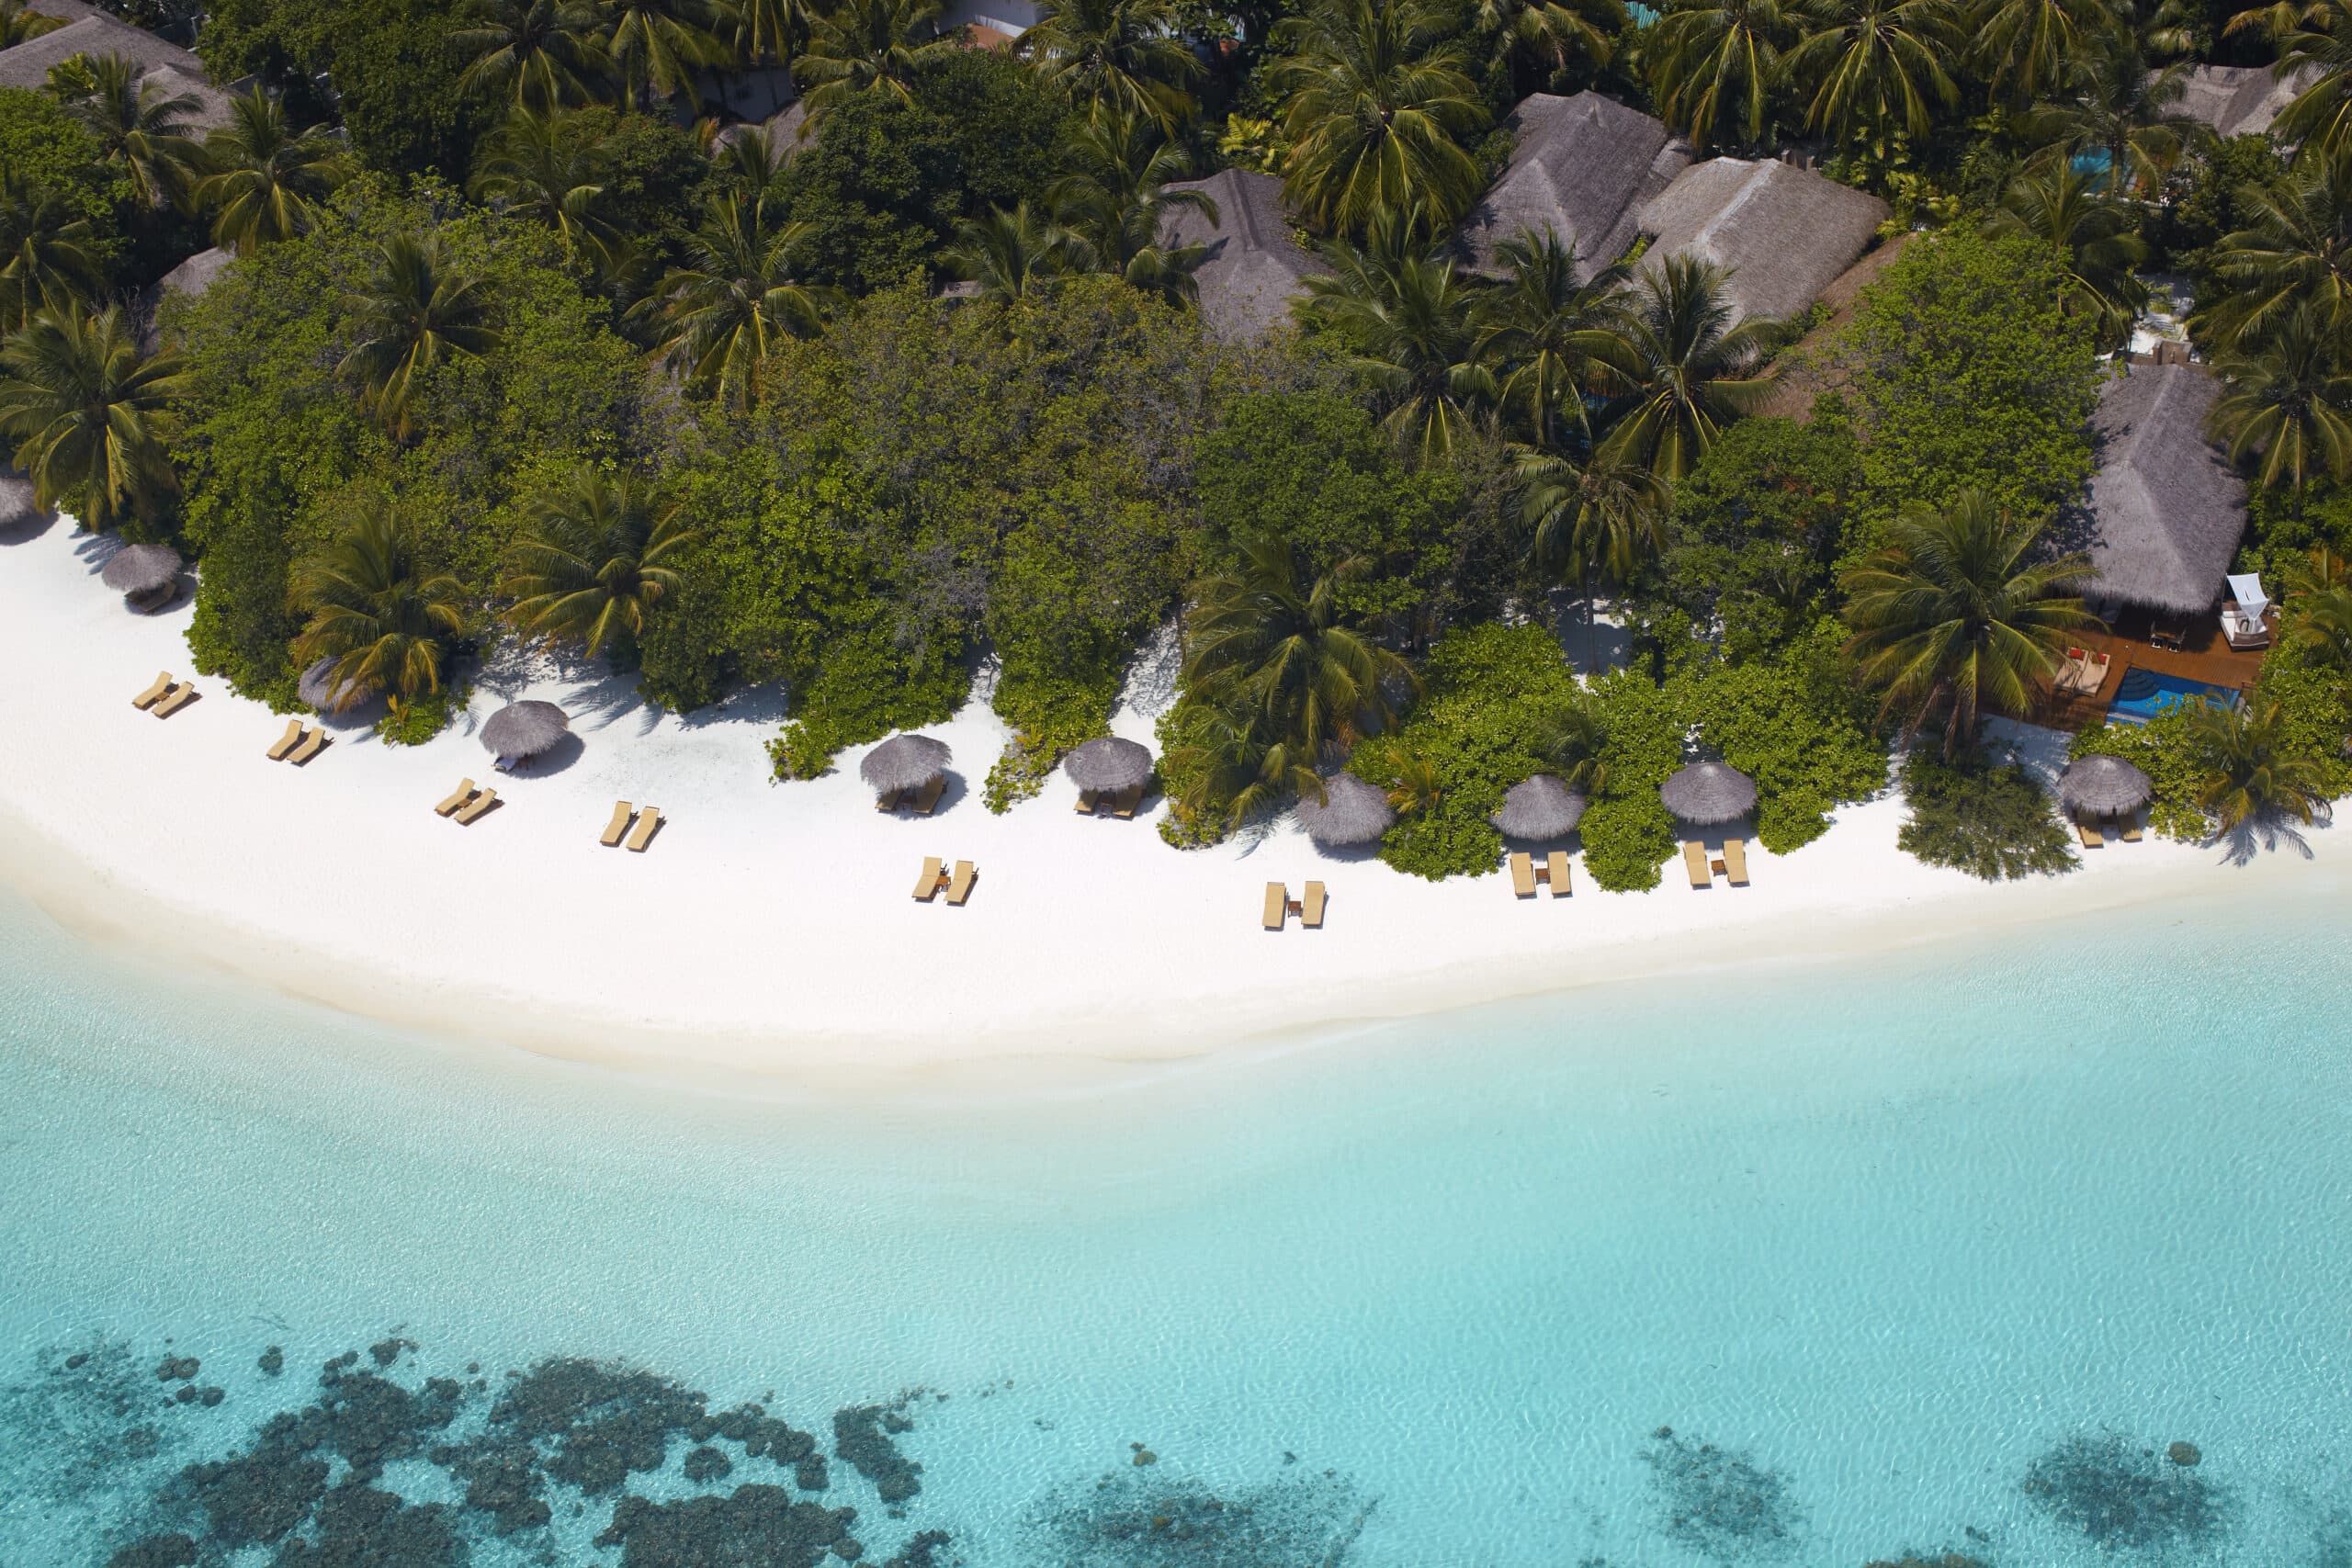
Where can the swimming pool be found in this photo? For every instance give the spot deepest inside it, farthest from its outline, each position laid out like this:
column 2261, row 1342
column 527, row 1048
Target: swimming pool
column 2143, row 693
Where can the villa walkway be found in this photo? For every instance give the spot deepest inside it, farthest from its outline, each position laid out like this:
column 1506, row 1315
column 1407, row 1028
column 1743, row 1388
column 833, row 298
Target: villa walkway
column 2203, row 656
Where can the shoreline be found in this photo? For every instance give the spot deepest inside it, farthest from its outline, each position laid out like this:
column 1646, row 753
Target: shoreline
column 768, row 933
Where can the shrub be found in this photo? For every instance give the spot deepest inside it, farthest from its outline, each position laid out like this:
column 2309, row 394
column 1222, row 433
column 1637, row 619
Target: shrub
column 1992, row 822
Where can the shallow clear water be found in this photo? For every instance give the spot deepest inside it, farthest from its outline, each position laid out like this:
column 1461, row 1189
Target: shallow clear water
column 1929, row 1253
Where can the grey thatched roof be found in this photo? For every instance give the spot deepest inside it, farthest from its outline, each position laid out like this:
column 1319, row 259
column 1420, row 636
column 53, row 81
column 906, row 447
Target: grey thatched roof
column 1254, row 268
column 167, row 65
column 2104, row 786
column 1353, row 812
column 904, row 761
column 2167, row 508
column 1582, row 166
column 64, row 10
column 524, row 729
column 194, row 276
column 141, row 569
column 1708, row 792
column 1782, row 234
column 2239, row 100
column 1108, row 762
column 17, row 506
column 320, row 696
column 1540, row 808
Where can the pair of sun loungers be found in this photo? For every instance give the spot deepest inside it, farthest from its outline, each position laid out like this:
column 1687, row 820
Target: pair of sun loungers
column 1553, row 871
column 1281, row 906
column 936, row 876
column 467, row 802
column 298, row 746
column 165, row 697
column 2127, row 829
column 648, row 822
column 919, row 801
column 2084, row 672
column 1733, row 866
column 1123, row 803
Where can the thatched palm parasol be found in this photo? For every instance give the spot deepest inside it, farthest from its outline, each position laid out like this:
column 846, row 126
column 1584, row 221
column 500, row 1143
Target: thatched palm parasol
column 2104, row 786
column 524, row 729
column 137, row 570
column 1353, row 812
column 1540, row 808
column 321, row 694
column 18, row 507
column 1108, row 764
column 904, row 761
column 1708, row 792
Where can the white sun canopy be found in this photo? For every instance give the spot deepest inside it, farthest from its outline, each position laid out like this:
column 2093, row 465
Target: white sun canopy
column 2248, row 590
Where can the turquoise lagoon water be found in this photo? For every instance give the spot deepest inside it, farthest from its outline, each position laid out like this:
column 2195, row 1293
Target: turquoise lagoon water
column 1937, row 1253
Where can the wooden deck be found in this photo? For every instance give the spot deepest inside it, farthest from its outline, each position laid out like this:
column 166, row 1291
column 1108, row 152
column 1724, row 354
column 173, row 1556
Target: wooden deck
column 2204, row 654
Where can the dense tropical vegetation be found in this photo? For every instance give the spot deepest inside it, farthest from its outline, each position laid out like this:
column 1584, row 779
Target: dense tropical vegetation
column 524, row 338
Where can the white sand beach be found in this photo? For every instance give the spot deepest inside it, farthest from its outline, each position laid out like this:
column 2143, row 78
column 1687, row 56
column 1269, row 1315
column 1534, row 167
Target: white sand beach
column 770, row 926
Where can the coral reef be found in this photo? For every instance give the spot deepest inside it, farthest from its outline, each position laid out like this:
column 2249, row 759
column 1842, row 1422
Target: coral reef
column 2122, row 1495
column 1718, row 1502
column 1150, row 1519
column 756, row 1526
column 861, row 1437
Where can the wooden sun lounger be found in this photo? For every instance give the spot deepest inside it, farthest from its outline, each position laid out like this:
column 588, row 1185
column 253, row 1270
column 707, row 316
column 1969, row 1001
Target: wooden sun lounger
column 1277, row 905
column 1310, row 909
column 181, row 696
column 960, row 886
column 927, row 884
column 1735, row 862
column 887, row 800
column 154, row 694
column 1087, row 801
column 457, row 797
column 286, row 742
column 1694, row 861
column 1555, row 871
column 312, row 744
column 622, row 812
column 928, row 796
column 1523, row 876
column 2090, row 836
column 648, row 822
column 476, row 806
column 2131, row 834
column 1125, row 803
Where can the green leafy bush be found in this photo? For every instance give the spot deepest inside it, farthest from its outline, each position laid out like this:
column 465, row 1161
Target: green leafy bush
column 1991, row 822
column 1794, row 725
column 426, row 716
column 865, row 689
column 1049, row 714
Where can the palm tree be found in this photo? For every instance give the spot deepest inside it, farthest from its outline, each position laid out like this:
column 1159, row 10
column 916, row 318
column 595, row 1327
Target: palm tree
column 1590, row 523
column 657, row 45
column 142, row 128
column 594, row 554
column 2025, row 48
column 1014, row 255
column 1547, row 34
column 89, row 416
column 375, row 611
column 544, row 53
column 1688, row 371
column 1414, row 329
column 2061, row 206
column 2287, row 402
column 266, row 181
column 1556, row 336
column 2316, row 34
column 415, row 310
column 2297, row 249
column 2320, row 621
column 18, row 25
column 50, row 258
column 1274, row 678
column 1372, row 101
column 1717, row 70
column 1956, row 615
column 867, row 46
column 2115, row 102
column 2251, row 775
column 1117, row 204
column 538, row 162
column 766, row 30
column 1128, row 56
column 1574, row 742
column 735, row 298
column 1878, row 66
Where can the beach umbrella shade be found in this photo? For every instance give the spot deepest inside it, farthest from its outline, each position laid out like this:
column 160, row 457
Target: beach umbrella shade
column 2104, row 786
column 1353, row 812
column 1708, row 792
column 1540, row 808
column 524, row 729
column 320, row 694
column 141, row 569
column 17, row 500
column 904, row 761
column 1108, row 764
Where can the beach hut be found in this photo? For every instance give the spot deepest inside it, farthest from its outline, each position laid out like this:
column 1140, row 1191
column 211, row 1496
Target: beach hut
column 2101, row 787
column 2167, row 507
column 142, row 574
column 1540, row 808
column 904, row 762
column 520, row 731
column 1351, row 812
column 1252, row 266
column 1707, row 793
column 1582, row 167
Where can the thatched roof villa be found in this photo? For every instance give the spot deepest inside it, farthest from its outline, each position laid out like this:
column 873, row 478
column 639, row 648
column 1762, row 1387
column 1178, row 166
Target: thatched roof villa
column 1583, row 165
column 1255, row 266
column 98, row 35
column 2239, row 100
column 1783, row 234
column 2167, row 510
